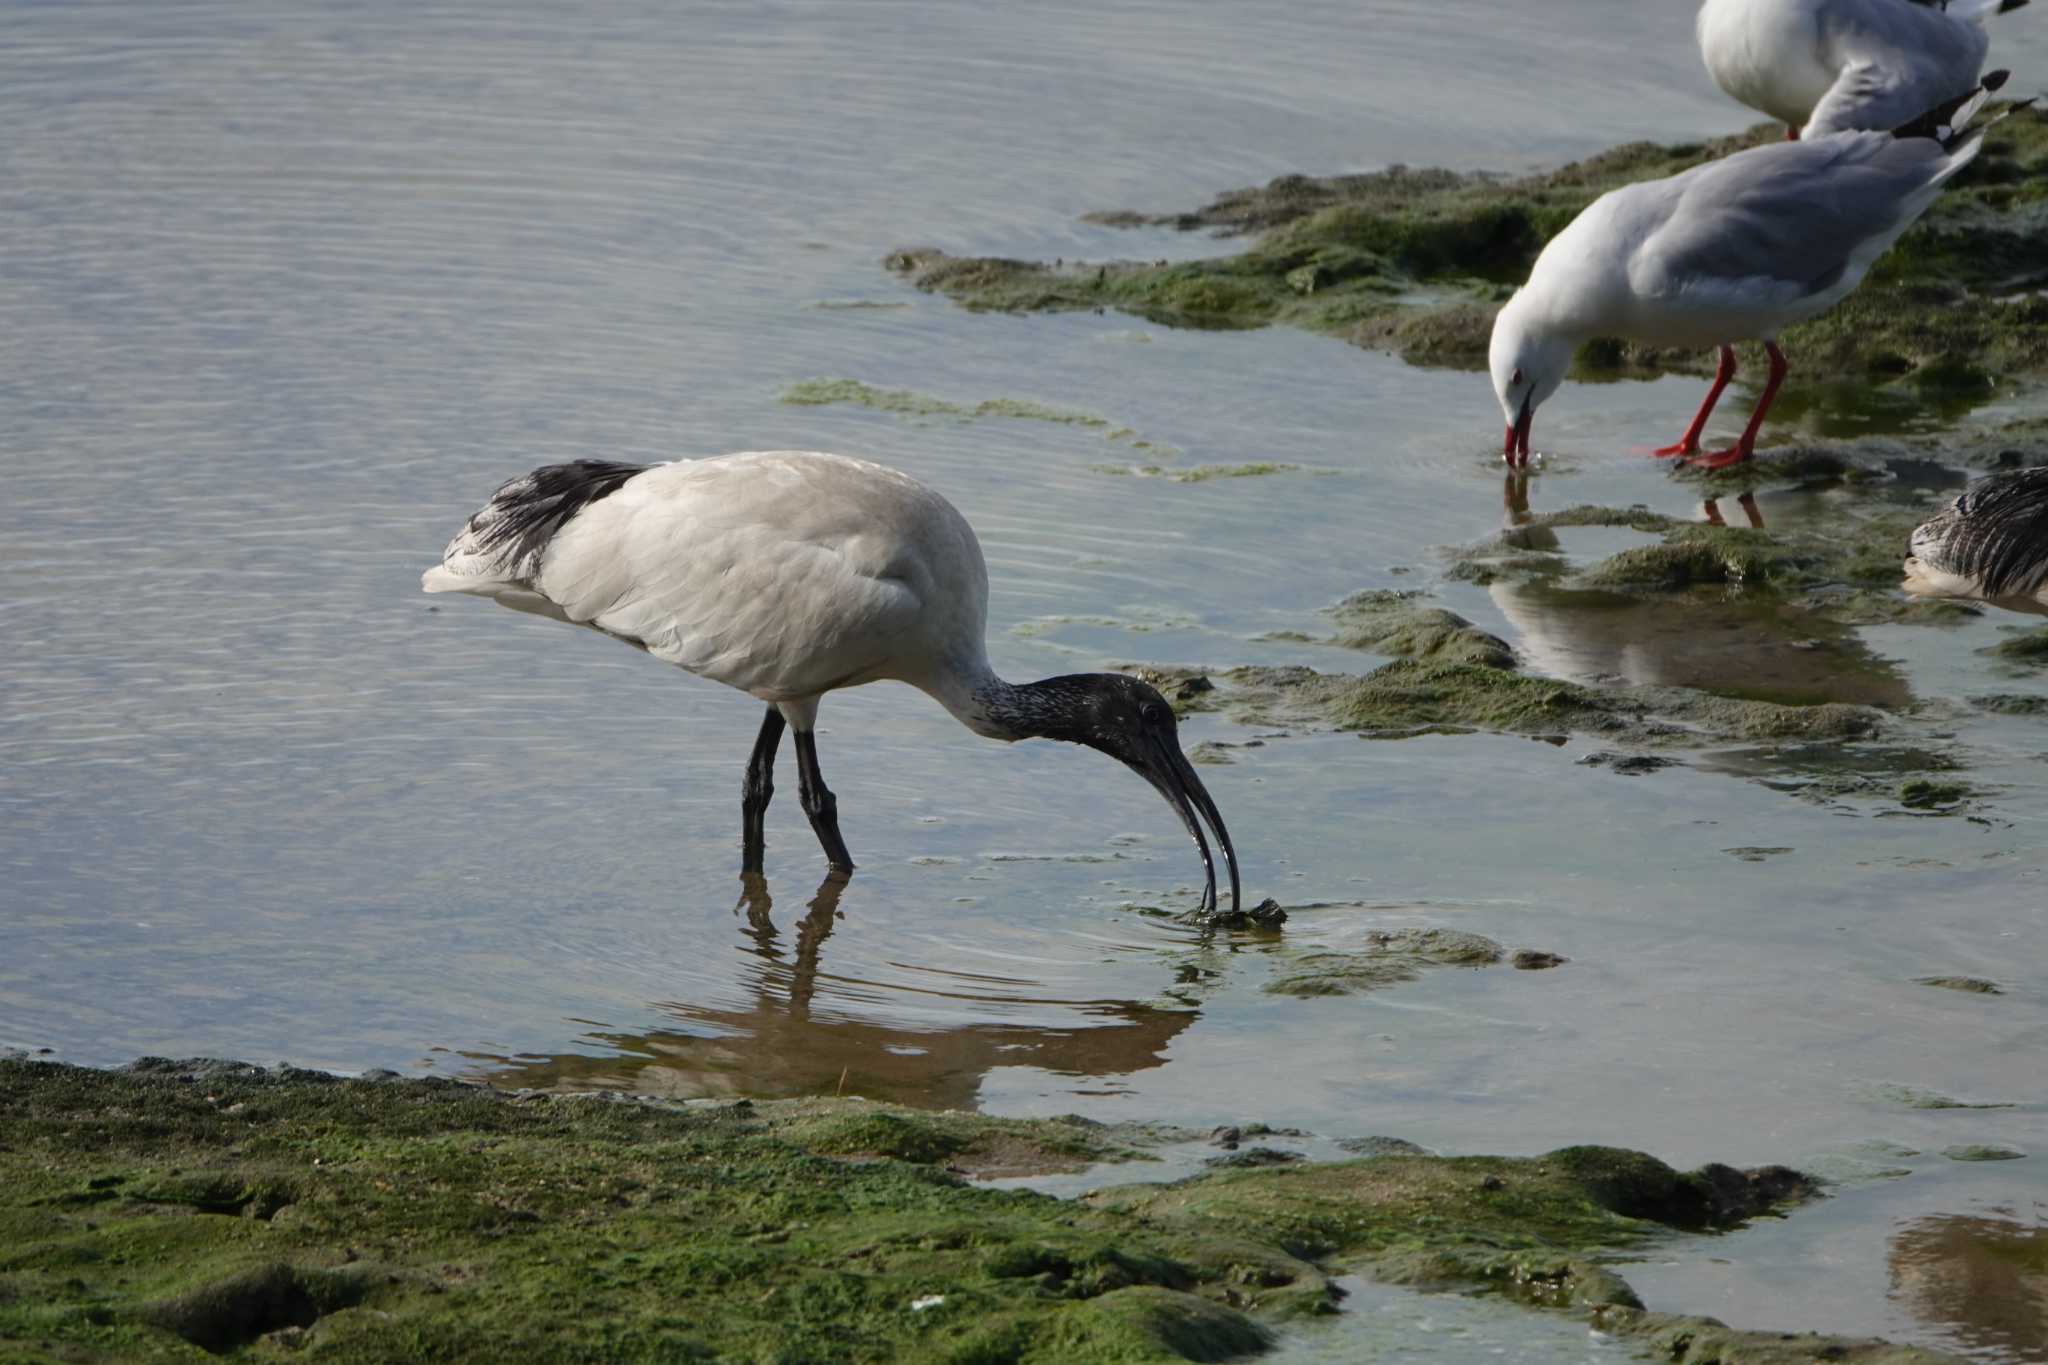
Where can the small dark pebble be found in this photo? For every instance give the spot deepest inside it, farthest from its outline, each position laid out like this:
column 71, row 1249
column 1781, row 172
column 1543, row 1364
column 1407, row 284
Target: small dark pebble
column 1535, row 960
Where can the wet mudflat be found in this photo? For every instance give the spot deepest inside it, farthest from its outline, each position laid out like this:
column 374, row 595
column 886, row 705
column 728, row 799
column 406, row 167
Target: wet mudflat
column 263, row 800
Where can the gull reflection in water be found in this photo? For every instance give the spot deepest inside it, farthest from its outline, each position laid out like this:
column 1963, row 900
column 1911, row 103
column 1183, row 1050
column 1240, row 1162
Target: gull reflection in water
column 797, row 1035
column 1710, row 511
column 1983, row 1279
column 1761, row 650
column 1515, row 513
column 1729, row 643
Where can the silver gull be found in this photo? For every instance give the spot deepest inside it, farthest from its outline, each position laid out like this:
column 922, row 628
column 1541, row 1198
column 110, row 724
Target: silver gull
column 1732, row 250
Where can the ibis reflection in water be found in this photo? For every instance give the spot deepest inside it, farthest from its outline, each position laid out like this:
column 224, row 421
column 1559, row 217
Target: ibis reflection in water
column 801, row 1029
column 790, row 574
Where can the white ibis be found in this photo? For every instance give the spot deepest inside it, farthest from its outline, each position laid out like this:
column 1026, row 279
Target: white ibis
column 1990, row 542
column 1831, row 65
column 1732, row 250
column 790, row 574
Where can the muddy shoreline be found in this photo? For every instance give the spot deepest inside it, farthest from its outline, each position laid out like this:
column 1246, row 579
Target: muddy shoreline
column 196, row 1208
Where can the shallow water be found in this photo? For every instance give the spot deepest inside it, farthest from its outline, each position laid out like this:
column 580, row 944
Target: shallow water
column 289, row 295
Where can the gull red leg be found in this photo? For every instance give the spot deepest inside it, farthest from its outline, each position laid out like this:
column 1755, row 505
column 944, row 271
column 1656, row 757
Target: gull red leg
column 1746, row 447
column 1689, row 444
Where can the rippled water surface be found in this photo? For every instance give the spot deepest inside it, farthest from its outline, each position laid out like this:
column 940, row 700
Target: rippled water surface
column 288, row 292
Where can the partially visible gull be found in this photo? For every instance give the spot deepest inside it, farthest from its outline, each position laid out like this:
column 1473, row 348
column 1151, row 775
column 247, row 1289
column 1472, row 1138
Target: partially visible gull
column 1831, row 65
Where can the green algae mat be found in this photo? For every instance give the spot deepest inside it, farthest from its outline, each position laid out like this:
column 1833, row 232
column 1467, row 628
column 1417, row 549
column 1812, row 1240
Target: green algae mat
column 185, row 1210
column 1417, row 262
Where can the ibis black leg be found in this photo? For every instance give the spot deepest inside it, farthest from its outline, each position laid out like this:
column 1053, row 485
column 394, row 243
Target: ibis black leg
column 754, row 796
column 818, row 802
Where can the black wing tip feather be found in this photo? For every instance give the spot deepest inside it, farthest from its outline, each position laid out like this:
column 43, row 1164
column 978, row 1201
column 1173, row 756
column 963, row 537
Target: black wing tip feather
column 1998, row 534
column 527, row 512
column 2005, row 6
column 1939, row 123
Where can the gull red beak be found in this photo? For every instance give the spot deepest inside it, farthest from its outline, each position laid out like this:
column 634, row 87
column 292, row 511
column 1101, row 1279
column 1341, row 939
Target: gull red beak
column 1514, row 447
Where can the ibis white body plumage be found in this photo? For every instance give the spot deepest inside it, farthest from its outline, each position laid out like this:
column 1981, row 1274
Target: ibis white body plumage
column 787, row 575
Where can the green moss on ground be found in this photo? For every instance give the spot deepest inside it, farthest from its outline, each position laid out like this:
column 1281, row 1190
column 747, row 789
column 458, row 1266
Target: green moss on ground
column 1843, row 565
column 1392, row 957
column 1969, row 985
column 2026, row 647
column 1860, row 544
column 182, row 1210
column 1690, row 555
column 191, row 1210
column 1917, row 1097
column 2012, row 704
column 1400, row 624
column 908, row 403
column 1202, row 473
column 1398, row 1208
column 1922, row 794
column 1417, row 261
column 1409, row 697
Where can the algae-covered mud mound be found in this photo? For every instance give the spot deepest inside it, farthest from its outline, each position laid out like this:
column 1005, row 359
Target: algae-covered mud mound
column 1416, row 261
column 181, row 1210
column 1742, row 641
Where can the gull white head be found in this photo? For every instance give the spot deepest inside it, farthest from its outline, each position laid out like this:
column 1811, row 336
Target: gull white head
column 1528, row 358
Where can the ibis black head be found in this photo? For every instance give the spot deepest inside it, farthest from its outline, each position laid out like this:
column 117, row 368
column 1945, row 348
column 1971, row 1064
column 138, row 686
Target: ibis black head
column 1127, row 719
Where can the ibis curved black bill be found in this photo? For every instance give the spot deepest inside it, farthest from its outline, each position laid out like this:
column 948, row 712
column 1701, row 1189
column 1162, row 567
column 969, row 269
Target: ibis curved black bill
column 1168, row 770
